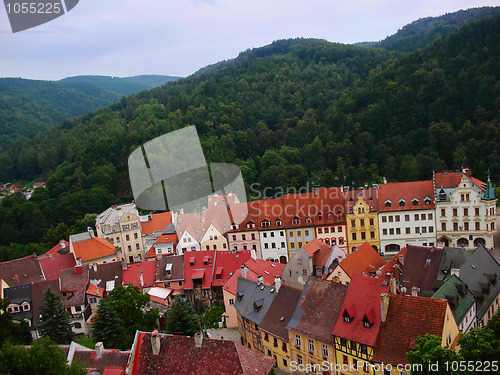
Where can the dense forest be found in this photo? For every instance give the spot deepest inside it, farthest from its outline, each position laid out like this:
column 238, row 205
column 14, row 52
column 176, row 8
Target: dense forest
column 29, row 107
column 294, row 112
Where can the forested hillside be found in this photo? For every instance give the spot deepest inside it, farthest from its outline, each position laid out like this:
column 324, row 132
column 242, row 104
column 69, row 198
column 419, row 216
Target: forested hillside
column 29, row 107
column 293, row 112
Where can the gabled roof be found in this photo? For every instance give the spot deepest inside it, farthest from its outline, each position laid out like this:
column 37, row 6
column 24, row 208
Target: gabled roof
column 37, row 290
column 106, row 275
column 140, row 274
column 362, row 300
column 318, row 309
column 421, row 268
column 114, row 214
column 319, row 251
column 253, row 300
column 409, row 192
column 450, row 180
column 226, row 265
column 21, row 271
column 364, row 260
column 111, row 361
column 18, row 294
column 156, row 222
column 61, row 248
column 281, row 311
column 370, row 196
column 194, row 262
column 254, row 268
column 95, row 290
column 407, row 318
column 179, row 355
column 75, row 282
column 176, row 265
column 394, row 268
column 458, row 296
column 93, row 248
column 52, row 265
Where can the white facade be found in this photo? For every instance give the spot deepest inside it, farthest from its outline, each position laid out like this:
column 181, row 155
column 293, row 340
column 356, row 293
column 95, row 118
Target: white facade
column 399, row 228
column 187, row 243
column 273, row 245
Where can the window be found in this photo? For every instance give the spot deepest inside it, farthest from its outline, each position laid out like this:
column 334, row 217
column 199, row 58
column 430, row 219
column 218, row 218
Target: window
column 407, row 217
column 306, row 233
column 398, row 230
column 264, row 234
column 455, row 226
column 311, row 345
column 266, row 245
column 478, row 225
column 372, row 235
column 363, row 235
column 466, row 225
column 422, row 216
column 77, row 325
column 292, row 245
column 455, row 212
column 326, row 230
column 415, row 202
column 443, row 212
column 137, row 246
column 282, row 244
column 325, row 351
column 266, row 336
column 417, row 229
column 353, row 223
column 431, row 229
column 476, row 211
column 408, row 230
column 136, row 236
column 391, row 219
column 320, row 230
column 424, row 229
column 443, row 226
column 416, row 217
column 127, row 237
column 371, row 222
column 384, row 219
column 283, row 347
column 285, row 363
column 297, row 341
column 299, row 359
column 384, row 232
column 345, row 359
column 273, row 245
column 402, row 203
column 391, row 231
column 299, row 233
column 354, row 236
column 265, row 224
column 466, row 212
column 272, row 234
column 299, row 261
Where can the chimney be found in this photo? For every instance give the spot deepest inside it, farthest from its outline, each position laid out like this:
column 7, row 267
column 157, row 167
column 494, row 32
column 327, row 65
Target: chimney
column 63, row 244
column 384, row 306
column 414, row 291
column 244, row 271
column 155, row 342
column 124, row 265
column 198, row 339
column 277, row 283
column 99, row 349
column 402, row 259
column 91, row 232
column 260, row 280
column 94, row 266
column 78, row 270
column 392, row 286
column 455, row 271
column 141, row 278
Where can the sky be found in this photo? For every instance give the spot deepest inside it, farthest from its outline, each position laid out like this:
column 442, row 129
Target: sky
column 178, row 37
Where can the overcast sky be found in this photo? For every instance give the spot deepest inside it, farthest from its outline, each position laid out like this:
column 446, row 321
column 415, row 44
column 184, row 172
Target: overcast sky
column 178, row 37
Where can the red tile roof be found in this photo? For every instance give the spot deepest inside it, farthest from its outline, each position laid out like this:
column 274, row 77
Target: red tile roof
column 406, row 191
column 365, row 259
column 52, row 266
column 362, row 299
column 93, row 248
column 256, row 267
column 449, row 180
column 132, row 275
column 56, row 249
column 319, row 251
column 157, row 222
column 407, row 318
column 394, row 268
column 179, row 355
column 370, row 196
column 112, row 362
column 226, row 265
column 421, row 267
column 37, row 290
column 151, row 253
column 95, row 290
column 21, row 271
column 318, row 309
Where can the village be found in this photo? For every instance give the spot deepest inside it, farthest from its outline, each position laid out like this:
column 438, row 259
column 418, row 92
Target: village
column 332, row 281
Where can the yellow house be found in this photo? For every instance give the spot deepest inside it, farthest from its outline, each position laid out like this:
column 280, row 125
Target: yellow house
column 403, row 319
column 213, row 239
column 273, row 329
column 309, row 330
column 362, row 224
column 358, row 325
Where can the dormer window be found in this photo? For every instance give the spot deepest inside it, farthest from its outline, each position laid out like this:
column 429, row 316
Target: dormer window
column 265, row 224
column 257, row 305
column 427, row 201
column 415, row 202
column 402, row 202
column 320, row 216
column 366, row 323
column 347, row 318
column 234, row 226
column 240, row 295
column 279, row 223
column 308, row 220
column 296, row 220
column 250, row 225
column 388, row 203
column 339, row 214
column 330, row 216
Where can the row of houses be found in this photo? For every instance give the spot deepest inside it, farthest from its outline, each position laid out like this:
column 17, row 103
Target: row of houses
column 453, row 209
column 367, row 313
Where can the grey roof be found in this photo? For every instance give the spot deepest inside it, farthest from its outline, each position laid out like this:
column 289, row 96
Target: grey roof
column 453, row 258
column 481, row 273
column 110, row 218
column 85, row 236
column 170, row 229
column 253, row 300
column 18, row 294
column 176, row 268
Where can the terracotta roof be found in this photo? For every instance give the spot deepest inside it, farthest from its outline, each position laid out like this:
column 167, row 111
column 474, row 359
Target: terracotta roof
column 93, row 248
column 132, row 275
column 166, row 238
column 61, row 248
column 407, row 191
column 318, row 309
column 407, row 318
column 179, row 355
column 421, row 268
column 111, row 361
column 281, row 311
column 319, row 251
column 394, row 268
column 362, row 300
column 52, row 266
column 193, row 262
column 21, row 271
column 255, row 267
column 151, row 253
column 95, row 290
column 370, row 196
column 157, row 222
column 365, row 259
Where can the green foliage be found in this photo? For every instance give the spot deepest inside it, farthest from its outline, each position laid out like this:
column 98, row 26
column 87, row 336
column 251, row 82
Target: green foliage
column 212, row 317
column 54, row 321
column 181, row 318
column 430, row 351
column 132, row 307
column 43, row 358
column 108, row 327
column 10, row 331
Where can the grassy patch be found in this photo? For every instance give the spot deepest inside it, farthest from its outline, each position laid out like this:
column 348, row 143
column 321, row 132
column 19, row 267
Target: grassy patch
column 86, row 341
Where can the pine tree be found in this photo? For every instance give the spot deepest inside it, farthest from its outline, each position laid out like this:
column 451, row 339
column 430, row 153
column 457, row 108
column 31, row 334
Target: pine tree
column 108, row 327
column 54, row 320
column 181, row 318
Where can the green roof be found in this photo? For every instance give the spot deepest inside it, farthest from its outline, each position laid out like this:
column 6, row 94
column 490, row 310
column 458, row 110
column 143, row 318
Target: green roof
column 489, row 194
column 458, row 295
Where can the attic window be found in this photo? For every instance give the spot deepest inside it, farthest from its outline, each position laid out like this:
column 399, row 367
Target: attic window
column 240, row 295
column 191, row 260
column 206, row 259
column 278, row 223
column 415, row 202
column 427, row 261
column 402, row 202
column 296, row 220
column 427, row 201
column 257, row 305
column 308, row 220
column 250, row 225
column 347, row 318
column 388, row 203
column 366, row 322
column 320, row 216
column 265, row 224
